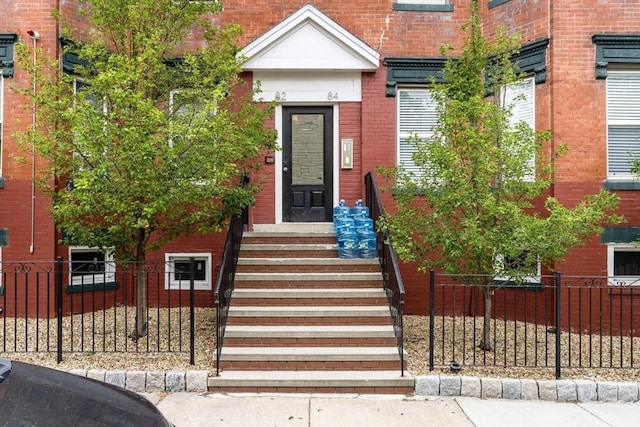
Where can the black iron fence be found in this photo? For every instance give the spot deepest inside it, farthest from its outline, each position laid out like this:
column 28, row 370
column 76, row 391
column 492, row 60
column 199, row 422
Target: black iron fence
column 551, row 322
column 66, row 307
column 392, row 279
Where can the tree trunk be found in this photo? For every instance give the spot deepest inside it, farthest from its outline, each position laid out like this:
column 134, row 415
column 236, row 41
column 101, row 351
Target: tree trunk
column 141, row 290
column 485, row 344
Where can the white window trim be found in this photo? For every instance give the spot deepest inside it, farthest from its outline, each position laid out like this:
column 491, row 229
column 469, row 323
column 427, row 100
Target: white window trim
column 106, row 276
column 171, row 284
column 622, row 123
column 613, row 280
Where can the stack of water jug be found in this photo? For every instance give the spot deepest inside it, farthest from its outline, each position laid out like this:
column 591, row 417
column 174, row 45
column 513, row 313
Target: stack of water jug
column 356, row 237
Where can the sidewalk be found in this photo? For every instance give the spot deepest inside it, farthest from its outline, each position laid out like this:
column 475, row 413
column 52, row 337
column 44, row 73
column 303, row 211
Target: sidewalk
column 247, row 410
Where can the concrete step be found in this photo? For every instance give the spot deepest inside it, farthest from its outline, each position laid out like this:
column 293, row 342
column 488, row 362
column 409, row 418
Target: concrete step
column 309, row 296
column 308, row 315
column 309, row 335
column 315, row 264
column 310, row 358
column 347, row 381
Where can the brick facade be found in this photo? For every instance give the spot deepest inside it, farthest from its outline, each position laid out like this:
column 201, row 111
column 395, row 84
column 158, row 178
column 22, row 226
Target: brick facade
column 570, row 102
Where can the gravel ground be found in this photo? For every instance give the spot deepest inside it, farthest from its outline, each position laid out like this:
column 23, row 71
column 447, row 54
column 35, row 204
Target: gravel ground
column 533, row 347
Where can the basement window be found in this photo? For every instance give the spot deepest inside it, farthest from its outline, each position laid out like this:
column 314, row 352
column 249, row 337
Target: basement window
column 178, row 271
column 91, row 269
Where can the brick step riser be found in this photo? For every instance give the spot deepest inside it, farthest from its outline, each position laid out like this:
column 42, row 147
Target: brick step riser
column 312, row 253
column 328, row 268
column 266, row 341
column 310, row 365
column 268, row 302
column 365, row 389
column 308, row 321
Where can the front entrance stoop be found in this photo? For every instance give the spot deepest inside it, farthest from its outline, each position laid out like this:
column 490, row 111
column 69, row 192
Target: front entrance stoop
column 303, row 320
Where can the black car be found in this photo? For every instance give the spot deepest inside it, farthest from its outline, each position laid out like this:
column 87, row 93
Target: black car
column 31, row 395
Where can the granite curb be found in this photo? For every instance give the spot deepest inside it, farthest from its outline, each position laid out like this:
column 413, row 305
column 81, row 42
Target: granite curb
column 562, row 390
column 150, row 381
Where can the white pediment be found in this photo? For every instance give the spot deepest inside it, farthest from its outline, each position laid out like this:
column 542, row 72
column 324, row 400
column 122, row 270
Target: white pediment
column 309, row 40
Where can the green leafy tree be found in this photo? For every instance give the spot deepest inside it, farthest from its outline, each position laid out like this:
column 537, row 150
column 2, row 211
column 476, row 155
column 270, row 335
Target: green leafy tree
column 474, row 207
column 154, row 138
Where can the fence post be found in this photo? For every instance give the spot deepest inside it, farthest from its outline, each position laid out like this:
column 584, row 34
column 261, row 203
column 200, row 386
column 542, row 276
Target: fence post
column 192, row 358
column 432, row 304
column 558, row 280
column 58, row 282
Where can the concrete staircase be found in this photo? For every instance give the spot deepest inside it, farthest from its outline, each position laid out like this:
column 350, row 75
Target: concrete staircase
column 303, row 320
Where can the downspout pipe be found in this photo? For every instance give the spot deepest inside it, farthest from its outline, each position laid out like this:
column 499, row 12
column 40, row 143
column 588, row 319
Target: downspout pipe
column 35, row 36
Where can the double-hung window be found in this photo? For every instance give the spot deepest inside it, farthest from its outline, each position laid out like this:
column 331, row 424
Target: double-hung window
column 623, row 122
column 520, row 97
column 417, row 120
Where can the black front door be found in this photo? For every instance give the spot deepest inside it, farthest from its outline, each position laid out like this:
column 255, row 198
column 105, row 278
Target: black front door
column 307, row 174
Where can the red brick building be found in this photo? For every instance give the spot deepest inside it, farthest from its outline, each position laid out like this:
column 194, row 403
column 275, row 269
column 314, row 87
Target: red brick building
column 358, row 72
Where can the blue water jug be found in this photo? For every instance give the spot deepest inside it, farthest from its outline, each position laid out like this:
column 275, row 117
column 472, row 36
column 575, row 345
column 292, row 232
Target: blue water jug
column 363, row 225
column 367, row 244
column 348, row 243
column 359, row 210
column 341, row 210
column 344, row 223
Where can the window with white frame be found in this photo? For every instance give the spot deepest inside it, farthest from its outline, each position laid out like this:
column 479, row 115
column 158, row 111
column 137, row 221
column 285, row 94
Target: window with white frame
column 417, row 119
column 90, row 266
column 520, row 97
column 179, row 272
column 623, row 122
column 623, row 264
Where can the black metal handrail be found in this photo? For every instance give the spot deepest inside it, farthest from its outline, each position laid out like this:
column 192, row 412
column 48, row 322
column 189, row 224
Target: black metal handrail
column 226, row 275
column 393, row 286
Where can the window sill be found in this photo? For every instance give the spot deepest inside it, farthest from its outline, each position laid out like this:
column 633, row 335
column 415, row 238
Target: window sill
column 91, row 287
column 423, row 7
column 494, row 3
column 629, row 184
